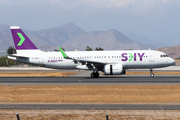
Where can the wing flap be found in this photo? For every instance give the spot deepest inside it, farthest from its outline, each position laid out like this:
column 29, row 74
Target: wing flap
column 90, row 61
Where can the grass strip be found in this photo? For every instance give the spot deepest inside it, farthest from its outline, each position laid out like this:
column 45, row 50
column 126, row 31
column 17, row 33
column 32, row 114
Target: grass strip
column 90, row 94
column 36, row 74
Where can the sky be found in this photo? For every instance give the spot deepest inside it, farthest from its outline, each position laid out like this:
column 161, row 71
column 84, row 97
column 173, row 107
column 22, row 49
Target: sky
column 158, row 20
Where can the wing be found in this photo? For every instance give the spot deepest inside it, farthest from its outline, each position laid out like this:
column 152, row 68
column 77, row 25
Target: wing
column 84, row 60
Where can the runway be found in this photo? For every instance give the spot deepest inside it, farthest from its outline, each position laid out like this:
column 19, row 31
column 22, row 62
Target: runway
column 107, row 80
column 86, row 80
column 91, row 106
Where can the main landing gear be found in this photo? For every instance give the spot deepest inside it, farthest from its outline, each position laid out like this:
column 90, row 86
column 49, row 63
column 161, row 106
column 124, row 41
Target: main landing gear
column 95, row 75
column 151, row 75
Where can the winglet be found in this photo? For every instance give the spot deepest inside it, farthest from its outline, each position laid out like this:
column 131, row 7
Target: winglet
column 63, row 54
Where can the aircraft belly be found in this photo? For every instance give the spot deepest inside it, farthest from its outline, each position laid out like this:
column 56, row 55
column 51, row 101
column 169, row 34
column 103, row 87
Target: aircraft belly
column 61, row 65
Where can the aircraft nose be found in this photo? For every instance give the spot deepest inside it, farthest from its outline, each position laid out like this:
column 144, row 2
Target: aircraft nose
column 171, row 61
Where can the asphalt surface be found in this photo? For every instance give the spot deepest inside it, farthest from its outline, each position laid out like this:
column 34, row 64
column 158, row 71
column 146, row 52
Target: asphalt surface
column 91, row 106
column 107, row 80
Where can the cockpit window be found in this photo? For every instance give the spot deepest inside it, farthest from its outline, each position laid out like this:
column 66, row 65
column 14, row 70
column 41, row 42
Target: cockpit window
column 164, row 55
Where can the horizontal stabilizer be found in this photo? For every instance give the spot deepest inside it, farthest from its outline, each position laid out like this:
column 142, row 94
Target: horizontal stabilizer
column 17, row 56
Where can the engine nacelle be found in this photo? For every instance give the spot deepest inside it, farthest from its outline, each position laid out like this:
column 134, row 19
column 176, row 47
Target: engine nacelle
column 115, row 69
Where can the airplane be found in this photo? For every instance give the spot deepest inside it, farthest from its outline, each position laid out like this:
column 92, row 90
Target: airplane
column 112, row 62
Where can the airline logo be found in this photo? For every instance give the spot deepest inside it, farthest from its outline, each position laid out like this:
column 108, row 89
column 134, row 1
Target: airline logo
column 130, row 56
column 22, row 39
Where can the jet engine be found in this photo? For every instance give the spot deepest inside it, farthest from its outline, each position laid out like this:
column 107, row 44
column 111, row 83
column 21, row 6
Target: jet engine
column 114, row 69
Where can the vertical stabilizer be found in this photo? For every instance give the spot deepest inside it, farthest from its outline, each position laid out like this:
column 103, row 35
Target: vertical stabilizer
column 21, row 41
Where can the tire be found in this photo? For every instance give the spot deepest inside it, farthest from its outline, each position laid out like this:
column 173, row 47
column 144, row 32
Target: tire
column 152, row 75
column 97, row 75
column 92, row 75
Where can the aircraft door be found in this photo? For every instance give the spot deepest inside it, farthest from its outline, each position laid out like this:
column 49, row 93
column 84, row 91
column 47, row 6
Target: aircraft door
column 151, row 56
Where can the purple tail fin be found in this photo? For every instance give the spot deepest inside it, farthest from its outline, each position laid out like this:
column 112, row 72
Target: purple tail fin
column 21, row 41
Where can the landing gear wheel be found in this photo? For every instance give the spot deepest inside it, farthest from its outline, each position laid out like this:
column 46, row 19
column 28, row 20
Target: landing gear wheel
column 152, row 75
column 151, row 71
column 94, row 75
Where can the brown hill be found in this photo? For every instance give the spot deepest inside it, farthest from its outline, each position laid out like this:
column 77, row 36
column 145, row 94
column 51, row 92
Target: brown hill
column 109, row 40
column 173, row 52
column 71, row 37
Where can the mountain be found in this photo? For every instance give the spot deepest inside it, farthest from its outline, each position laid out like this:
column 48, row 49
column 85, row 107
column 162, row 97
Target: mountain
column 43, row 39
column 173, row 52
column 59, row 35
column 5, row 37
column 71, row 37
column 109, row 40
column 141, row 39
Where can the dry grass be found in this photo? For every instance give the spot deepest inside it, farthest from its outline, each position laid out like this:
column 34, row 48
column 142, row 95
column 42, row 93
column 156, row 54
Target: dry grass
column 66, row 74
column 162, row 72
column 89, row 114
column 36, row 74
column 90, row 94
column 177, row 60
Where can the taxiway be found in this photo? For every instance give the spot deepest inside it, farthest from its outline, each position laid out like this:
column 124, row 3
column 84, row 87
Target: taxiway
column 104, row 80
column 91, row 106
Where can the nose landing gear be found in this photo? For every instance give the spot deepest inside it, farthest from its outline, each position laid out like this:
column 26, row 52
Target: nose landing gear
column 151, row 75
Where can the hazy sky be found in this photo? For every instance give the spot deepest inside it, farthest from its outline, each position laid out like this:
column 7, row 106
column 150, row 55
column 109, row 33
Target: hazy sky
column 158, row 20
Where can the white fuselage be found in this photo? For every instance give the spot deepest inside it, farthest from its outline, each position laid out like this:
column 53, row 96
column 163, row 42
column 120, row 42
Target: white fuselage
column 130, row 59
